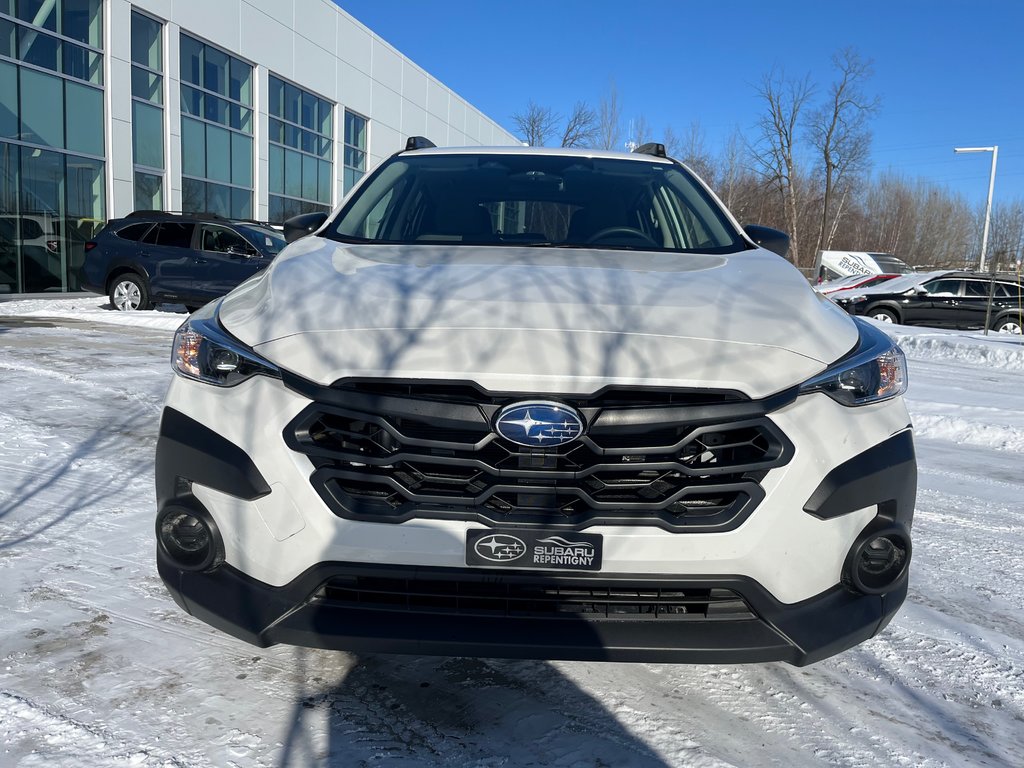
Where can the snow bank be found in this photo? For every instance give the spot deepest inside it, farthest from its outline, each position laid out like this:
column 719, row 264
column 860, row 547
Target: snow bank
column 995, row 351
column 96, row 309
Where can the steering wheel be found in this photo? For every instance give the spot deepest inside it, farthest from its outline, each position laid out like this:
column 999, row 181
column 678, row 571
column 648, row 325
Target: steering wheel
column 608, row 232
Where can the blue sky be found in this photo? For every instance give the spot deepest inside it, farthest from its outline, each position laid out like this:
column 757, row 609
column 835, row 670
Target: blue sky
column 947, row 73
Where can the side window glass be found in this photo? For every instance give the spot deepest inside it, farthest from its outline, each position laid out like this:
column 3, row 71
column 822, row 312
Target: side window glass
column 1005, row 291
column 151, row 236
column 942, row 287
column 133, row 231
column 222, row 239
column 175, row 235
column 976, row 288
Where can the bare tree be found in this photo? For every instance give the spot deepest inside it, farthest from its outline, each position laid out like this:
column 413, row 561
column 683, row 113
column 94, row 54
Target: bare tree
column 581, row 127
column 609, row 120
column 838, row 131
column 536, row 124
column 774, row 150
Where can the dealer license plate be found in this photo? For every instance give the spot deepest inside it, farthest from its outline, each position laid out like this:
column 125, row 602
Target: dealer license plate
column 552, row 550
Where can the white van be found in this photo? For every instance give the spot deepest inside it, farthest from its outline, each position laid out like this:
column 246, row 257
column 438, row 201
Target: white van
column 836, row 264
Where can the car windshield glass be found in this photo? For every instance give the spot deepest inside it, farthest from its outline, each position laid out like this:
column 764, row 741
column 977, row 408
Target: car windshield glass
column 267, row 240
column 535, row 199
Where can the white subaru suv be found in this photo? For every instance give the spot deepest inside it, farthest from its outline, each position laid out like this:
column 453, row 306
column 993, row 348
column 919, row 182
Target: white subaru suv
column 536, row 403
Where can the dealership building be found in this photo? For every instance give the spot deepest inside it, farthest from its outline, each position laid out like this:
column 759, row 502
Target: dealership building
column 255, row 109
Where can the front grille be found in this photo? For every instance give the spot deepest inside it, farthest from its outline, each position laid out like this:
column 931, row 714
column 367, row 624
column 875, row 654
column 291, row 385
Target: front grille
column 693, row 461
column 528, row 600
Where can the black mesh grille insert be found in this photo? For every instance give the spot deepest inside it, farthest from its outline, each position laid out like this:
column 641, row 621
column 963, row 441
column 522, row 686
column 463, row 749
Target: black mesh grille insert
column 681, row 467
column 535, row 600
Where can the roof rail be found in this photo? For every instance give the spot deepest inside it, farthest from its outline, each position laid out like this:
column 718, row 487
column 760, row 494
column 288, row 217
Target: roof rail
column 154, row 214
column 651, row 148
column 418, row 142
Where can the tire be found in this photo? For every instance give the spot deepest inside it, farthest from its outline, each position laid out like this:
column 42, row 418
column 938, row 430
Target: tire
column 882, row 315
column 129, row 292
column 1008, row 324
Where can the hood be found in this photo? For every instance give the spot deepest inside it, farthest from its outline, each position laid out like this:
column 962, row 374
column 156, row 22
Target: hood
column 539, row 319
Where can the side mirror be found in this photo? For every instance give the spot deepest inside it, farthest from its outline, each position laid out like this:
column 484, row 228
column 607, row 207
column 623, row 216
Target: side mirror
column 771, row 239
column 302, row 225
column 238, row 250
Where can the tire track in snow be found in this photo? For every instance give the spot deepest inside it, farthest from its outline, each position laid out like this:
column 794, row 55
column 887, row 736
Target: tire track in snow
column 54, row 739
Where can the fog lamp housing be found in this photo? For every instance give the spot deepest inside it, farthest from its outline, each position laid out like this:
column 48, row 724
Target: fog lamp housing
column 878, row 561
column 189, row 538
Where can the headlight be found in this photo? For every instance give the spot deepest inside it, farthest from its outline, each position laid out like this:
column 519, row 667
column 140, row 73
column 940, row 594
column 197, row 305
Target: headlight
column 205, row 352
column 875, row 371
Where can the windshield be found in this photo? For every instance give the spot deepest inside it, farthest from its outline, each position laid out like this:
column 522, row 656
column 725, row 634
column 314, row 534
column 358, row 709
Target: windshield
column 267, row 240
column 533, row 199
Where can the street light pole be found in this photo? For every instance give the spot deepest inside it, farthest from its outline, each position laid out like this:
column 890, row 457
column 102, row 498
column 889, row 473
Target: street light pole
column 991, row 186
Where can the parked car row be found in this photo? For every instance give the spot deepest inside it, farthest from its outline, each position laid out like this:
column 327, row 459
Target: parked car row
column 943, row 299
column 151, row 257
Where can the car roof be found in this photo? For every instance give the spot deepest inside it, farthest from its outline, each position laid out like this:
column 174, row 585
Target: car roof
column 544, row 151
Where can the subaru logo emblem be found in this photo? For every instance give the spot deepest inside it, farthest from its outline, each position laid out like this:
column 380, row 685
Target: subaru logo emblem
column 500, row 547
column 539, row 424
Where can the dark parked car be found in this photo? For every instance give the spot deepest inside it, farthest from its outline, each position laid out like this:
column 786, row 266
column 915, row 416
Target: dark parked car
column 150, row 258
column 941, row 300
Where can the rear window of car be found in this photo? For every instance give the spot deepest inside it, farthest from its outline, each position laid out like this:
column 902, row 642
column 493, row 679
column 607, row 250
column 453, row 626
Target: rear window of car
column 172, row 234
column 30, row 228
column 134, row 231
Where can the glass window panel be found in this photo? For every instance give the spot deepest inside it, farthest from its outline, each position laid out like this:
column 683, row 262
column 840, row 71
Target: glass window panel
column 291, row 135
column 215, row 71
column 191, row 60
column 43, row 178
column 8, row 101
column 193, row 196
column 276, row 131
column 325, row 180
column 218, row 199
column 146, row 85
column 309, row 177
column 276, row 105
column 355, row 159
column 292, row 97
column 241, row 81
column 9, row 186
column 216, row 109
column 241, row 118
column 7, row 6
column 351, row 178
column 308, row 116
column 310, row 143
column 241, row 204
column 292, row 173
column 276, row 214
column 193, row 149
column 149, row 192
column 241, row 160
column 218, row 154
column 326, row 148
column 148, row 135
column 82, row 21
column 192, row 101
column 276, row 170
column 324, row 120
column 8, row 39
column 39, row 49
column 355, row 130
column 147, row 49
column 85, row 212
column 174, row 234
column 84, row 115
column 40, row 13
column 83, row 64
column 42, row 108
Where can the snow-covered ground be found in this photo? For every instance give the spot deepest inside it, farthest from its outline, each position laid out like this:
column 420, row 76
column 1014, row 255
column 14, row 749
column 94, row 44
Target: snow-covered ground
column 98, row 667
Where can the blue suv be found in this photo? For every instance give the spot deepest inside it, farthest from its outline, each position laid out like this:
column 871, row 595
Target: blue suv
column 150, row 258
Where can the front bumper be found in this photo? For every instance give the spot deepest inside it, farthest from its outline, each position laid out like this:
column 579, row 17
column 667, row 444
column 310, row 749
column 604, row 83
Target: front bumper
column 455, row 612
column 285, row 553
